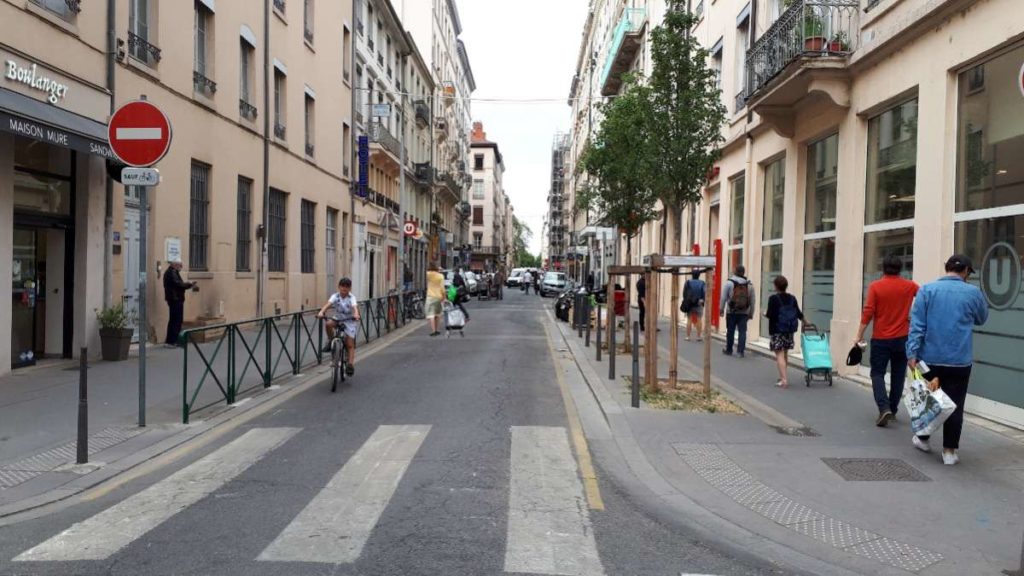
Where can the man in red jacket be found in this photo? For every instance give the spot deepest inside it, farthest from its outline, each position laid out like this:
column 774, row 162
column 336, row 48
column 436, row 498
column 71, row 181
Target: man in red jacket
column 889, row 301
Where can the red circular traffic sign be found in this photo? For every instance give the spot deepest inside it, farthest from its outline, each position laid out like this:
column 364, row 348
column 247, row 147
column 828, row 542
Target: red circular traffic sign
column 139, row 133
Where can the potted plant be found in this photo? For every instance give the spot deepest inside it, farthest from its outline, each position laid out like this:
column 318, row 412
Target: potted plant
column 839, row 43
column 115, row 332
column 814, row 31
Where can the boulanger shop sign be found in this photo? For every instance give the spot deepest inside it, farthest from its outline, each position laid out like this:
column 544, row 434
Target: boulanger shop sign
column 32, row 77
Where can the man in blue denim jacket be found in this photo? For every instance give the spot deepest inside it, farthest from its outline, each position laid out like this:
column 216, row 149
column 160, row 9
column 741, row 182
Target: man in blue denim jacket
column 941, row 337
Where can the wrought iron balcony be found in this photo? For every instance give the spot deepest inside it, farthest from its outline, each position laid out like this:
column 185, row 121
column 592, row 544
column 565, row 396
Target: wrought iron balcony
column 75, row 6
column 809, row 31
column 626, row 42
column 140, row 49
column 310, row 149
column 422, row 111
column 246, row 110
column 279, row 131
column 741, row 102
column 379, row 135
column 202, row 84
column 308, row 35
column 279, row 5
column 423, row 172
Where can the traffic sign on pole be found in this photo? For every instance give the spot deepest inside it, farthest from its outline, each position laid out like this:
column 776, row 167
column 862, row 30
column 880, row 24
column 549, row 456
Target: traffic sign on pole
column 140, row 176
column 139, row 134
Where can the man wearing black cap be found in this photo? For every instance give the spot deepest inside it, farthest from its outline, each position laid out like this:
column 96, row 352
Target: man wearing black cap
column 941, row 331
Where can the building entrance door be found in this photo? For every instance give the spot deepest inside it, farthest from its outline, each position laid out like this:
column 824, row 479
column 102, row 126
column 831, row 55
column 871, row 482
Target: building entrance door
column 130, row 294
column 39, row 326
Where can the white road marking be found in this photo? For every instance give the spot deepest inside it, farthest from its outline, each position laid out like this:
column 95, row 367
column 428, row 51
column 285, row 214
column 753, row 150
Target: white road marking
column 335, row 525
column 138, row 133
column 549, row 529
column 105, row 533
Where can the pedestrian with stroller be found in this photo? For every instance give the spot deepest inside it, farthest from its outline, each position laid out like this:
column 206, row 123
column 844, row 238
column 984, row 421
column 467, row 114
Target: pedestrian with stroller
column 737, row 305
column 940, row 343
column 693, row 304
column 888, row 306
column 784, row 319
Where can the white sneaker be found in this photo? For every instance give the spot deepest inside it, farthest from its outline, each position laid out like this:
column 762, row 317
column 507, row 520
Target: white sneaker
column 950, row 458
column 921, row 445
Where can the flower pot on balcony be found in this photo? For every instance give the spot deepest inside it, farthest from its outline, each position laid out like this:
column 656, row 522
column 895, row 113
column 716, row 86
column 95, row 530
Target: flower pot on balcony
column 115, row 343
column 814, row 44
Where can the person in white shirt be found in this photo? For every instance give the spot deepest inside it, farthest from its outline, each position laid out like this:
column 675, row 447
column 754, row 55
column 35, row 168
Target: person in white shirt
column 527, row 281
column 344, row 315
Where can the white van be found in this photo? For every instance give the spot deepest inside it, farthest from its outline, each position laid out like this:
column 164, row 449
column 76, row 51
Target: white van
column 515, row 277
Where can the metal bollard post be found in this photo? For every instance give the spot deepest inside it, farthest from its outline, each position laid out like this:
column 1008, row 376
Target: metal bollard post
column 635, row 384
column 611, row 352
column 83, row 408
column 598, row 332
column 579, row 322
column 586, row 321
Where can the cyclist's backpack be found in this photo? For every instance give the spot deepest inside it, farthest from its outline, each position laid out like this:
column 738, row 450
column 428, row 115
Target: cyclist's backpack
column 740, row 298
column 789, row 314
column 693, row 293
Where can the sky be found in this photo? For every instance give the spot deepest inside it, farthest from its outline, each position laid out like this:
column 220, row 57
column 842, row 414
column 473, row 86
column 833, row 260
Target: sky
column 523, row 50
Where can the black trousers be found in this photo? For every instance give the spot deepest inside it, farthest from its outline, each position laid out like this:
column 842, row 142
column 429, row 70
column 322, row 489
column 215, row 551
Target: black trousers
column 953, row 380
column 643, row 313
column 174, row 321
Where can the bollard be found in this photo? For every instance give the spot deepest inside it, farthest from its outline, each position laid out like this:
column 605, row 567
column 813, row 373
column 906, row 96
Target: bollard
column 83, row 408
column 611, row 352
column 579, row 319
column 586, row 322
column 636, row 366
column 598, row 332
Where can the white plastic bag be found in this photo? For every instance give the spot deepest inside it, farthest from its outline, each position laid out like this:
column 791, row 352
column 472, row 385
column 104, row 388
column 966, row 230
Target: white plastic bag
column 928, row 409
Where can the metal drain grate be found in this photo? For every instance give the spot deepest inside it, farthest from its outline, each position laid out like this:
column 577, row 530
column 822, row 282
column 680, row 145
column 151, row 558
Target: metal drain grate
column 875, row 470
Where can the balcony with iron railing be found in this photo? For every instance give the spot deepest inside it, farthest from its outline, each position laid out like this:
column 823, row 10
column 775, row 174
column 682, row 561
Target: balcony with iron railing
column 422, row 113
column 246, row 110
column 279, row 6
column 279, row 131
column 806, row 50
column 382, row 138
column 203, row 85
column 142, row 50
column 627, row 39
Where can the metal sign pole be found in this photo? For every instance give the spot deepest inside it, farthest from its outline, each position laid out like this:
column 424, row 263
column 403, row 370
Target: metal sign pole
column 143, row 331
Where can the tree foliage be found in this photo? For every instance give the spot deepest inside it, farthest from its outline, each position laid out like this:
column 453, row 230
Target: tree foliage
column 686, row 102
column 527, row 260
column 521, row 235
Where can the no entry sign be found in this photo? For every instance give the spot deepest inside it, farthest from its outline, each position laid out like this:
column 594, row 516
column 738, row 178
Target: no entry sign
column 139, row 133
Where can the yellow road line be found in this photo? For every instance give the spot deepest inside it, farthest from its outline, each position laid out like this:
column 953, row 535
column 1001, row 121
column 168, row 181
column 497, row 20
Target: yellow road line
column 579, row 440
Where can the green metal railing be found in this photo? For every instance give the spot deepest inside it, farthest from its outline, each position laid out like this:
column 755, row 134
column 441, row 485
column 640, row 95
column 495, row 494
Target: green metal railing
column 239, row 356
column 631, row 22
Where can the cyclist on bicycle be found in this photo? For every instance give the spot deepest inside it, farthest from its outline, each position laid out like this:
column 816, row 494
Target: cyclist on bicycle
column 345, row 315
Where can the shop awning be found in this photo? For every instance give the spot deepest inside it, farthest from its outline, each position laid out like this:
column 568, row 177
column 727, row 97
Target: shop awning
column 37, row 120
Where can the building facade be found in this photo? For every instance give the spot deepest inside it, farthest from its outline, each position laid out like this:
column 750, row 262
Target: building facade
column 556, row 248
column 859, row 129
column 489, row 205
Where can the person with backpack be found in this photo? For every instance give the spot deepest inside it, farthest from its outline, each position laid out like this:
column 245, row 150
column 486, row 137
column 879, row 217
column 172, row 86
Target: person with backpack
column 693, row 304
column 737, row 305
column 784, row 319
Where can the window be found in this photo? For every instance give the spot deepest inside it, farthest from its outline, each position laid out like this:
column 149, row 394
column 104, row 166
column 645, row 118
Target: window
column 775, row 9
column 478, row 215
column 331, row 249
column 346, row 53
column 246, row 66
column 199, row 217
column 202, row 69
column 243, row 242
column 142, row 32
column 478, row 239
column 478, row 162
column 771, row 266
column 66, row 9
column 819, row 281
column 892, row 164
column 310, row 125
column 276, row 221
column 822, row 178
column 346, row 148
column 279, row 104
column 308, row 237
column 344, row 231
column 478, row 189
column 877, row 246
column 820, row 231
column 742, row 40
column 774, row 199
column 738, row 185
column 307, row 21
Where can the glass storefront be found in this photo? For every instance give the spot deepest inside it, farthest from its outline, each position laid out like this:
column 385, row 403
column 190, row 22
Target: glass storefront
column 990, row 177
column 771, row 266
column 878, row 246
column 820, row 231
column 774, row 199
column 738, row 190
column 819, row 281
column 822, row 179
column 892, row 164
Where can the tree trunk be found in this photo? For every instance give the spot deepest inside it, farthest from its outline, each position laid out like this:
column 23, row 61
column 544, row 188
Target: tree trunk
column 651, row 340
column 673, row 361
column 627, row 347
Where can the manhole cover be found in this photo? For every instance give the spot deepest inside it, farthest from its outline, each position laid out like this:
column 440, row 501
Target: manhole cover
column 875, row 470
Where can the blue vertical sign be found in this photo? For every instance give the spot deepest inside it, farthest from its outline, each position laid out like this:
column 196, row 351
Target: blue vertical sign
column 364, row 166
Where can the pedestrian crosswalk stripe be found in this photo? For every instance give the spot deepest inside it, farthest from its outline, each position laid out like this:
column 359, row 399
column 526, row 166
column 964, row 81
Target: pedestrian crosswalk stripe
column 549, row 529
column 335, row 525
column 102, row 535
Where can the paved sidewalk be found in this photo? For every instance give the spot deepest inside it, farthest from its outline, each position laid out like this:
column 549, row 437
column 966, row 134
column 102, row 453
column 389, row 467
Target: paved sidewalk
column 774, row 471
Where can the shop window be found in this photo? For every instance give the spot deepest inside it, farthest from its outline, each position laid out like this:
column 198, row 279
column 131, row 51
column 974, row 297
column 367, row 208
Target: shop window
column 771, row 266
column 822, row 178
column 276, row 224
column 877, row 246
column 307, row 246
column 820, row 231
column 243, row 237
column 42, row 178
column 774, row 199
column 738, row 190
column 199, row 217
column 892, row 164
column 819, row 281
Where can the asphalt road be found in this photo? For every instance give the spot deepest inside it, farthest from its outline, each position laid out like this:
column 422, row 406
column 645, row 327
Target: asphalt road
column 442, row 457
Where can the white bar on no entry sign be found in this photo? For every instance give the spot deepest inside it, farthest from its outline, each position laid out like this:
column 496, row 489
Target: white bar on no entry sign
column 139, row 133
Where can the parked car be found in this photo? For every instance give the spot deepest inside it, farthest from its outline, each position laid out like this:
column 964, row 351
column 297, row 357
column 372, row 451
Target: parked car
column 472, row 282
column 515, row 277
column 553, row 283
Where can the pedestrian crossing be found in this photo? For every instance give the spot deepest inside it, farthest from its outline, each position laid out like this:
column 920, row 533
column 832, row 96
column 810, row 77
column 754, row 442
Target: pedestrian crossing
column 549, row 528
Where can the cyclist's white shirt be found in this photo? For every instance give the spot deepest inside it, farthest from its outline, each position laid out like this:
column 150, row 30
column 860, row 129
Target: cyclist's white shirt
column 344, row 308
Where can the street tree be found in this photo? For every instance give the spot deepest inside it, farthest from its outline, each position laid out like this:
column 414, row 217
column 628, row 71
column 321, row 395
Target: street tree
column 521, row 236
column 617, row 165
column 684, row 143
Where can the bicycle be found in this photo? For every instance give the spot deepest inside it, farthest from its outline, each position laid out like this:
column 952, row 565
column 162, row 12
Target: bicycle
column 339, row 359
column 414, row 307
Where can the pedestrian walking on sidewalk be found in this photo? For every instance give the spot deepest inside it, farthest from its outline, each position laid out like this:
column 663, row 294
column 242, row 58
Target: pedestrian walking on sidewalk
column 527, row 281
column 693, row 304
column 641, row 299
column 784, row 319
column 435, row 295
column 942, row 322
column 737, row 305
column 888, row 305
column 174, row 294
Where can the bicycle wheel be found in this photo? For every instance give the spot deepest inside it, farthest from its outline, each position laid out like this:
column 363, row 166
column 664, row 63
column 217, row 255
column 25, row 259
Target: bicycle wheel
column 337, row 363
